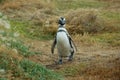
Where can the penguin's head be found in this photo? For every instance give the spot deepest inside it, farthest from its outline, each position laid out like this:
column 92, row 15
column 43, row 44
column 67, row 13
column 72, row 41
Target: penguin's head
column 61, row 21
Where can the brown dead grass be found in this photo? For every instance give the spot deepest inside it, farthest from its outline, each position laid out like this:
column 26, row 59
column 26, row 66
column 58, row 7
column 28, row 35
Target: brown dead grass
column 17, row 4
column 85, row 20
column 37, row 11
column 111, row 72
column 11, row 5
column 12, row 53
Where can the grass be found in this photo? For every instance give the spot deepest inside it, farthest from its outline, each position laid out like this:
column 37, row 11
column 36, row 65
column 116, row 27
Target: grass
column 39, row 72
column 112, row 15
column 9, row 63
column 73, row 70
column 28, row 29
column 13, row 53
column 19, row 26
column 83, row 16
column 75, row 4
column 104, row 39
column 9, row 39
column 2, row 1
column 23, row 50
column 24, row 69
column 19, row 46
column 3, row 79
column 109, row 38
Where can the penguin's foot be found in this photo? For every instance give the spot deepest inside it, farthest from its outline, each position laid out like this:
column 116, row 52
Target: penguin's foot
column 70, row 58
column 59, row 62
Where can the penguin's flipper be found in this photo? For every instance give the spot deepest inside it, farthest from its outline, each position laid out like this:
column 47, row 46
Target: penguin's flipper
column 72, row 44
column 53, row 45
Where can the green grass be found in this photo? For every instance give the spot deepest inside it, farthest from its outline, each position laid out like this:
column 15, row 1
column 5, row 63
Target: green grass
column 104, row 39
column 2, row 1
column 20, row 26
column 25, row 69
column 66, row 5
column 8, row 39
column 9, row 64
column 23, row 49
column 16, row 66
column 3, row 79
column 112, row 39
column 111, row 15
column 30, row 30
column 20, row 47
column 39, row 72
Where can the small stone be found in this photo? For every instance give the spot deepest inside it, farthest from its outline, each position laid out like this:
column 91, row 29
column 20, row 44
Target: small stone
column 2, row 71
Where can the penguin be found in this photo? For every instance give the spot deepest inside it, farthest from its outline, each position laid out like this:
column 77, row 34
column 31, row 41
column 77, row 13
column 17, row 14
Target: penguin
column 64, row 42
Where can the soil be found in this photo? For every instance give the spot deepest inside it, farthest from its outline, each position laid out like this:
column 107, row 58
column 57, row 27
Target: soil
column 100, row 62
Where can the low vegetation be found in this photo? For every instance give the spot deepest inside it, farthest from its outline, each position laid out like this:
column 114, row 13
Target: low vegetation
column 89, row 22
column 15, row 67
column 13, row 57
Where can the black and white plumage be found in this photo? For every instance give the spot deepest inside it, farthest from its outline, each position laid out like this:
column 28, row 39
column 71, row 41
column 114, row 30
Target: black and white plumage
column 65, row 45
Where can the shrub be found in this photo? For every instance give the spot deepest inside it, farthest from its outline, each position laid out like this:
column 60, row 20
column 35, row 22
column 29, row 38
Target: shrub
column 84, row 20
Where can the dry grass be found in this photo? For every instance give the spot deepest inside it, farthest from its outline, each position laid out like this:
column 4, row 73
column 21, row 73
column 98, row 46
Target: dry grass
column 13, row 53
column 85, row 20
column 110, row 70
column 11, row 5
column 39, row 4
column 37, row 11
column 112, row 4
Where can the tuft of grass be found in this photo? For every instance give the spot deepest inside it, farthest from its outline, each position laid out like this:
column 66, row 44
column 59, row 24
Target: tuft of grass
column 9, row 64
column 14, row 68
column 23, row 50
column 85, row 20
column 73, row 70
column 38, row 72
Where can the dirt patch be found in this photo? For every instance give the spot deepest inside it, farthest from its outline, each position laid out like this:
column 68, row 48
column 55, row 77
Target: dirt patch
column 90, row 62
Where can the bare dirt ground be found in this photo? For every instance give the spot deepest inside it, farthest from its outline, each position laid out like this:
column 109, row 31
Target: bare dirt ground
column 93, row 62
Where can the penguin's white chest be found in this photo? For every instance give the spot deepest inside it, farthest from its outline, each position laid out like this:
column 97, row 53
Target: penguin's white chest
column 63, row 45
